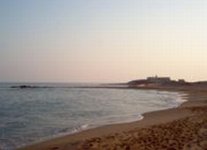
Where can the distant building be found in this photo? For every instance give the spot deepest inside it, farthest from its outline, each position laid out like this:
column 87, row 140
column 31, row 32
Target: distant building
column 181, row 81
column 157, row 79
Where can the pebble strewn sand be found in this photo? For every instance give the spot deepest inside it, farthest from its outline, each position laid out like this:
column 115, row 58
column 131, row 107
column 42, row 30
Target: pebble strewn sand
column 189, row 134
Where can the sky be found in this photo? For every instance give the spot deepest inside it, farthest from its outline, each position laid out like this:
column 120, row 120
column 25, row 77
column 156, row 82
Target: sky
column 102, row 40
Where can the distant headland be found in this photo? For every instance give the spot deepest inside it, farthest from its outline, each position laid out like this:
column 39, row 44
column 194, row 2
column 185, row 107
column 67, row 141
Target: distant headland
column 164, row 82
column 149, row 82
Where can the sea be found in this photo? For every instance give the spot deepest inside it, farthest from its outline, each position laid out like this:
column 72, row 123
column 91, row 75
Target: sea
column 44, row 111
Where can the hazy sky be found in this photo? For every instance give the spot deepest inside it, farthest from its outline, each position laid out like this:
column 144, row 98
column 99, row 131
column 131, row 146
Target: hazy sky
column 102, row 40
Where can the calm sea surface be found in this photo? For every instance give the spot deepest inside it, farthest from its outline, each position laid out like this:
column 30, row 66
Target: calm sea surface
column 35, row 114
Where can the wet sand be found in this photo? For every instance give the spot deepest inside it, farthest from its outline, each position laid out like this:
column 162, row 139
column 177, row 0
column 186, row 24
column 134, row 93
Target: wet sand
column 184, row 127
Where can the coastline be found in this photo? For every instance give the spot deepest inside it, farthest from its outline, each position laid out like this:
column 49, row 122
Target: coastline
column 87, row 139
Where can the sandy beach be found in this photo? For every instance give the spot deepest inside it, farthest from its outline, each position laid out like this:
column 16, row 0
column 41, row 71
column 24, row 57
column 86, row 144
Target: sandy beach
column 184, row 127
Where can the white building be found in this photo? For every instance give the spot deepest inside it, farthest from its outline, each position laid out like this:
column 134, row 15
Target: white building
column 157, row 79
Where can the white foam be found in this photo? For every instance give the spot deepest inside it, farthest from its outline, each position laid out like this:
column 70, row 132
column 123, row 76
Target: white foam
column 85, row 126
column 181, row 98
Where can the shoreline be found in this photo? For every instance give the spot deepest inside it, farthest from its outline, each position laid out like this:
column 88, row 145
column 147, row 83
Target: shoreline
column 139, row 117
column 72, row 141
column 176, row 102
column 180, row 98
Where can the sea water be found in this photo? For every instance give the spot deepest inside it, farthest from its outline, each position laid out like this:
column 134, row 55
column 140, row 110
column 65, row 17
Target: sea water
column 31, row 115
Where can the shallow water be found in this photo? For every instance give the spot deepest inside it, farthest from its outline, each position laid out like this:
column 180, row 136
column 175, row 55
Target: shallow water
column 32, row 115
